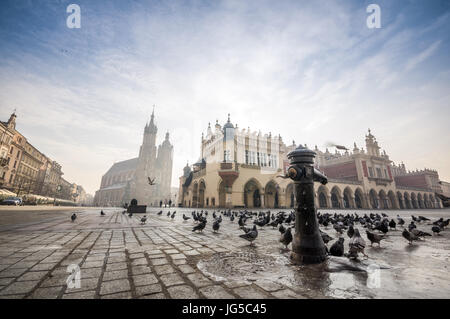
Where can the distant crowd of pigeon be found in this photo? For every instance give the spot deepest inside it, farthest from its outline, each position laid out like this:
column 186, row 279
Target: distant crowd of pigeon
column 377, row 226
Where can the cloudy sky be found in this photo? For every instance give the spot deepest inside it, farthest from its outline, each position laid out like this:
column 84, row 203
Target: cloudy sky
column 309, row 70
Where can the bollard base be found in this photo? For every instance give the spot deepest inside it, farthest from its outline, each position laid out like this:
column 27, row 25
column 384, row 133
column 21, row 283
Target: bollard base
column 309, row 249
column 298, row 259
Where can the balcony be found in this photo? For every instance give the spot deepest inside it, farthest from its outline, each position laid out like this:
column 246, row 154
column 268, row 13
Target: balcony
column 229, row 166
column 380, row 180
column 229, row 172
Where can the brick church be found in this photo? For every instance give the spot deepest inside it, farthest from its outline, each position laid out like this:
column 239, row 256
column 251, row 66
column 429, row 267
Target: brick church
column 129, row 179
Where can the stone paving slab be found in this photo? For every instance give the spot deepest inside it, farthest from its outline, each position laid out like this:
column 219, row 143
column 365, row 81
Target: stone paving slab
column 163, row 259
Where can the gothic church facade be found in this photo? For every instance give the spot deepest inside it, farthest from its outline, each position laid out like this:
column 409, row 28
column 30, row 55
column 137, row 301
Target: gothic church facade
column 129, row 179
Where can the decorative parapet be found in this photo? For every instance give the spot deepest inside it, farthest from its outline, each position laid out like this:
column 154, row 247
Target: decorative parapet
column 251, row 166
column 410, row 188
column 229, row 166
column 380, row 180
column 343, row 181
column 200, row 173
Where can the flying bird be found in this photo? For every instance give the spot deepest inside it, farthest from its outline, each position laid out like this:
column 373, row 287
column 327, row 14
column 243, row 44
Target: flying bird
column 339, row 147
column 151, row 181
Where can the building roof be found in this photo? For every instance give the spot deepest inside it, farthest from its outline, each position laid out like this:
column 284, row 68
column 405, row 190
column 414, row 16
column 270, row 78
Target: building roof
column 123, row 166
column 228, row 124
column 114, row 186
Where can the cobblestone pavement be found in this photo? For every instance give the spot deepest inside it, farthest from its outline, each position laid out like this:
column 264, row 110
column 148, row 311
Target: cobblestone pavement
column 120, row 258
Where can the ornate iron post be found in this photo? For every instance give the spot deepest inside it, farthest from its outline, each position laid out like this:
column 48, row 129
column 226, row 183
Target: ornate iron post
column 307, row 244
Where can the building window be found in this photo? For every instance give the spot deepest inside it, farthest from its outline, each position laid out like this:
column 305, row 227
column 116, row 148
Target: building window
column 246, row 156
column 226, row 156
column 379, row 172
column 370, row 171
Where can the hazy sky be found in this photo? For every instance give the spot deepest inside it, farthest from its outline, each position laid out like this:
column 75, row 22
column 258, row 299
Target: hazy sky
column 309, row 70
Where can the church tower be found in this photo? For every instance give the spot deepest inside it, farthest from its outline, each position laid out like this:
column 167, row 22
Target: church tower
column 164, row 163
column 141, row 190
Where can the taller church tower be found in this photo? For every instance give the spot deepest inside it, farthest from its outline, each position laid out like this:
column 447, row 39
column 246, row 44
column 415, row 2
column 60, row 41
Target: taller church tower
column 141, row 189
column 155, row 163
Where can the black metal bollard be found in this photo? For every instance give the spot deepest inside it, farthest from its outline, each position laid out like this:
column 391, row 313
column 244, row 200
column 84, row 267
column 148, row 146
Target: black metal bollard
column 307, row 244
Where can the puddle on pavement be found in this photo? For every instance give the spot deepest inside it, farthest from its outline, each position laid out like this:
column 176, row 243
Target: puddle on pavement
column 337, row 277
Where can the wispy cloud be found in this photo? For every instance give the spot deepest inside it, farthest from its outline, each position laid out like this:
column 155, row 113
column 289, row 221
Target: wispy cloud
column 305, row 70
column 422, row 56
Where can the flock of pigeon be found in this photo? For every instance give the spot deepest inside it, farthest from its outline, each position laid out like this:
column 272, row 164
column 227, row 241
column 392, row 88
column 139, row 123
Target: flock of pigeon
column 377, row 226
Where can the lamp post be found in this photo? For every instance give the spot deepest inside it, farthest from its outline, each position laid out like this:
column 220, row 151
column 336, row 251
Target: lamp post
column 307, row 244
column 58, row 189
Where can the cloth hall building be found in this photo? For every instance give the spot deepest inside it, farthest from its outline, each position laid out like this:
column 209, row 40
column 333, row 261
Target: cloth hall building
column 240, row 168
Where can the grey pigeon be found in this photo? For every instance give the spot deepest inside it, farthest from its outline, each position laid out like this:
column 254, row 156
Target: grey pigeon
column 200, row 226
column 325, row 237
column 216, row 225
column 409, row 236
column 286, row 237
column 374, row 238
column 436, row 229
column 419, row 233
column 357, row 245
column 337, row 249
column 251, row 235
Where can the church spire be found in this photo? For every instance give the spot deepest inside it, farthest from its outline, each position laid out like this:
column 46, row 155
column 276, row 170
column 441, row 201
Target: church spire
column 151, row 127
column 153, row 114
